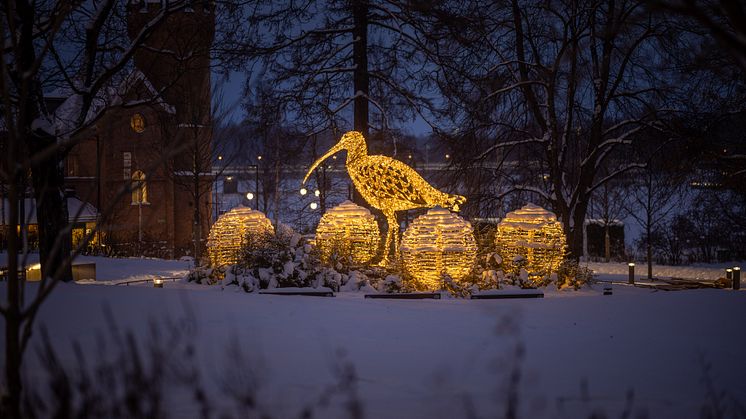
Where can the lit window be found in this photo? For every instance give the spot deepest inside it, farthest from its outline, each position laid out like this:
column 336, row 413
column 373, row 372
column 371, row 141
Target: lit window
column 139, row 188
column 137, row 123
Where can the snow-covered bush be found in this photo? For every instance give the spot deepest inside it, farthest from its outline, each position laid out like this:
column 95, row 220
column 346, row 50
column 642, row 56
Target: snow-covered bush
column 571, row 274
column 278, row 260
column 205, row 275
column 239, row 277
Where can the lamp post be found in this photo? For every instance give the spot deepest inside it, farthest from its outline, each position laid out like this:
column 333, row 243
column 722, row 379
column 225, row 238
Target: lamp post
column 256, row 181
column 631, row 273
column 736, row 278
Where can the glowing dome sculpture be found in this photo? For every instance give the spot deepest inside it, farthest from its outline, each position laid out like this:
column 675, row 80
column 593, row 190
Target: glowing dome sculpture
column 349, row 231
column 534, row 234
column 439, row 242
column 232, row 230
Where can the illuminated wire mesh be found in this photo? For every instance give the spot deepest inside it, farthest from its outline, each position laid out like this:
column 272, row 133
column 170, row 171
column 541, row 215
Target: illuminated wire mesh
column 230, row 232
column 386, row 183
column 439, row 242
column 348, row 231
column 534, row 234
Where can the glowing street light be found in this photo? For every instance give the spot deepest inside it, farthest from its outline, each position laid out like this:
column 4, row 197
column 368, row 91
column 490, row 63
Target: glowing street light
column 314, row 205
column 259, row 157
column 303, row 191
column 249, row 196
column 317, row 192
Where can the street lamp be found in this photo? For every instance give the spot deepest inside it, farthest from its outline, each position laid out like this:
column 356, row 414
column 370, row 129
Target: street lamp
column 303, row 191
column 317, row 192
column 249, row 196
column 314, row 205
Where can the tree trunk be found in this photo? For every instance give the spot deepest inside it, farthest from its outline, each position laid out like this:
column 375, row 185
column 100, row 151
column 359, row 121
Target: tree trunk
column 197, row 223
column 13, row 355
column 47, row 176
column 51, row 213
column 607, row 243
column 360, row 61
column 575, row 238
column 196, row 193
column 276, row 198
column 649, row 246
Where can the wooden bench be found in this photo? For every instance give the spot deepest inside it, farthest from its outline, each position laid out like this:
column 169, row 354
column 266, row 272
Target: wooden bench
column 407, row 296
column 309, row 293
column 500, row 295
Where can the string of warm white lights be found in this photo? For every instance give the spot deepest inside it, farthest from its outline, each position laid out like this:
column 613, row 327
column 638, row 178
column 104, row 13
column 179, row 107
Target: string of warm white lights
column 229, row 234
column 437, row 243
column 348, row 231
column 534, row 234
column 387, row 184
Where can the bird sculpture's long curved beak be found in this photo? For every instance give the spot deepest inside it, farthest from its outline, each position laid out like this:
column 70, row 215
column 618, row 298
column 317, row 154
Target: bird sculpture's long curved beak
column 328, row 154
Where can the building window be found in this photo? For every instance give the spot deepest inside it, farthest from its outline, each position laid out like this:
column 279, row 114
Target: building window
column 230, row 185
column 139, row 188
column 137, row 122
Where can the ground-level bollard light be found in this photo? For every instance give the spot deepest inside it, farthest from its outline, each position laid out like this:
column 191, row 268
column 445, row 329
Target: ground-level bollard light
column 729, row 274
column 157, row 282
column 736, row 277
column 631, row 273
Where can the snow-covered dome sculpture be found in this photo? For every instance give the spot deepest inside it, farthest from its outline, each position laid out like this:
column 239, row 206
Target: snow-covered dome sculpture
column 232, row 231
column 437, row 243
column 349, row 232
column 535, row 235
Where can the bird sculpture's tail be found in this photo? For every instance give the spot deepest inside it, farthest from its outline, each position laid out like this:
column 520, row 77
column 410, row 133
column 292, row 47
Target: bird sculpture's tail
column 453, row 201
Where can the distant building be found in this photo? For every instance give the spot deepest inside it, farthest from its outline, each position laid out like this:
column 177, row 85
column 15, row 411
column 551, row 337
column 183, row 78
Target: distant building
column 134, row 166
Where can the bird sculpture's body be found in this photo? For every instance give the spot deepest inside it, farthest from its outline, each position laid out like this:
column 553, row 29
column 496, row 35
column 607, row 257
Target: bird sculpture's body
column 387, row 184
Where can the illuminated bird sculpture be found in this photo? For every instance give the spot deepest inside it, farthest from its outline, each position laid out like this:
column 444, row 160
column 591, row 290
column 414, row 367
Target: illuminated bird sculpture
column 387, row 184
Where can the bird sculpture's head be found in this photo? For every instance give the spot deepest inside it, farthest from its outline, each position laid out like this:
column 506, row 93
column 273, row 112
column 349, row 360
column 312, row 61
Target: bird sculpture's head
column 350, row 141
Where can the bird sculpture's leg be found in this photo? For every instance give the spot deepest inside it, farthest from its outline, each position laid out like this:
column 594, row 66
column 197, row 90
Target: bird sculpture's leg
column 391, row 234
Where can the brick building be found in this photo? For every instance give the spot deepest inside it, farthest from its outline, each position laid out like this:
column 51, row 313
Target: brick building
column 145, row 163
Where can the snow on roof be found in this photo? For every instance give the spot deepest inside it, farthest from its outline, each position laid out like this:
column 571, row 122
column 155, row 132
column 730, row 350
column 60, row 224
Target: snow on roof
column 78, row 211
column 67, row 113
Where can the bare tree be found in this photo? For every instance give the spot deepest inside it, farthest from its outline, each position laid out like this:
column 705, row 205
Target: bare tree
column 85, row 48
column 657, row 192
column 569, row 83
column 325, row 57
column 608, row 205
column 191, row 170
column 725, row 21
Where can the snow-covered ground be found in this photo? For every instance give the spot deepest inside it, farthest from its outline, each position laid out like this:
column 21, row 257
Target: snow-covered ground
column 431, row 358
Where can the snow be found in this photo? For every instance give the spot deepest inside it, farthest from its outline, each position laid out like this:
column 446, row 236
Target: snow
column 123, row 269
column 78, row 211
column 426, row 358
column 42, row 124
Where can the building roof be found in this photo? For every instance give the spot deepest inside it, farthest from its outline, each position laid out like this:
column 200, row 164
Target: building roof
column 66, row 113
column 79, row 211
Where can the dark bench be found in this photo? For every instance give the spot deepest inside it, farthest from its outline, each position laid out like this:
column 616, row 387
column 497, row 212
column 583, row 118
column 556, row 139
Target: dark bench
column 508, row 295
column 299, row 292
column 407, row 296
